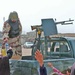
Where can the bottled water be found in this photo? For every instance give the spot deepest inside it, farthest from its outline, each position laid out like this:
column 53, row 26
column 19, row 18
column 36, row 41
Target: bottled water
column 7, row 46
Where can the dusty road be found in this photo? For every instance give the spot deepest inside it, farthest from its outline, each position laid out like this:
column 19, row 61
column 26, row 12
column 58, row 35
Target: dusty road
column 26, row 51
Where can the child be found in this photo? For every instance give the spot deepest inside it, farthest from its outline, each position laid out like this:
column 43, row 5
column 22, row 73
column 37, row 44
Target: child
column 65, row 72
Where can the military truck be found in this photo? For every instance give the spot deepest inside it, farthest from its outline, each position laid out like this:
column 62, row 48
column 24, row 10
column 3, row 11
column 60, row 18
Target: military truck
column 59, row 50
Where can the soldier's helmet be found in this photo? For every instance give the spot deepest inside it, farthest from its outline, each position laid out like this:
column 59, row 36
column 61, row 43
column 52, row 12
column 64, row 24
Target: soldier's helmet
column 13, row 16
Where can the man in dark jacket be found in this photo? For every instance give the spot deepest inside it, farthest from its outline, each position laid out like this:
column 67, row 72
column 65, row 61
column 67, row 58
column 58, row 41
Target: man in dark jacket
column 4, row 63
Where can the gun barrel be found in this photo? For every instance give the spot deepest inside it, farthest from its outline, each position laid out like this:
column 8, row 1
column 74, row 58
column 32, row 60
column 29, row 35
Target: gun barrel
column 67, row 23
column 64, row 22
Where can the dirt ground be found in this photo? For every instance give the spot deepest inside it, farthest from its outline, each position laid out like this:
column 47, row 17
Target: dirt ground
column 26, row 51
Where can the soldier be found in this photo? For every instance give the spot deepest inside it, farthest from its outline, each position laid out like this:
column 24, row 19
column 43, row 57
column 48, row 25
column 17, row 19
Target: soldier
column 12, row 32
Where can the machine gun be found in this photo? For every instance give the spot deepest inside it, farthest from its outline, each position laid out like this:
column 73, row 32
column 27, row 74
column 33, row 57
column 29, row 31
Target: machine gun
column 65, row 22
column 49, row 28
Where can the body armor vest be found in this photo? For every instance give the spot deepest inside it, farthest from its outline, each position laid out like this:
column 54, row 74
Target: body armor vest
column 14, row 29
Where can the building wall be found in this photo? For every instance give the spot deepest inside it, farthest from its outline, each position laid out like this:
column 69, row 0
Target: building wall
column 30, row 36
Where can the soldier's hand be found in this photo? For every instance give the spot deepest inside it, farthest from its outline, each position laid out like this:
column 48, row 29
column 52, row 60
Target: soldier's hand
column 5, row 40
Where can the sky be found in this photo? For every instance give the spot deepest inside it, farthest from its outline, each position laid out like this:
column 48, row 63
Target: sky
column 32, row 11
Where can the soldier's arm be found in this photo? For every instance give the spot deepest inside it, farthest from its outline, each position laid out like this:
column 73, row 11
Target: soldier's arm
column 6, row 29
column 20, row 26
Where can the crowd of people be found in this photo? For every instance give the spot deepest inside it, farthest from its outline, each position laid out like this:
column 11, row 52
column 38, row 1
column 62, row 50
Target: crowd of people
column 5, row 69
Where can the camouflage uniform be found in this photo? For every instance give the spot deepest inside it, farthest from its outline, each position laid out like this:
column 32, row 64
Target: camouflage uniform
column 14, row 42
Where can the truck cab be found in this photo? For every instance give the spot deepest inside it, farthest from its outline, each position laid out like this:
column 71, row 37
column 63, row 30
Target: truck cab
column 60, row 48
column 57, row 47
